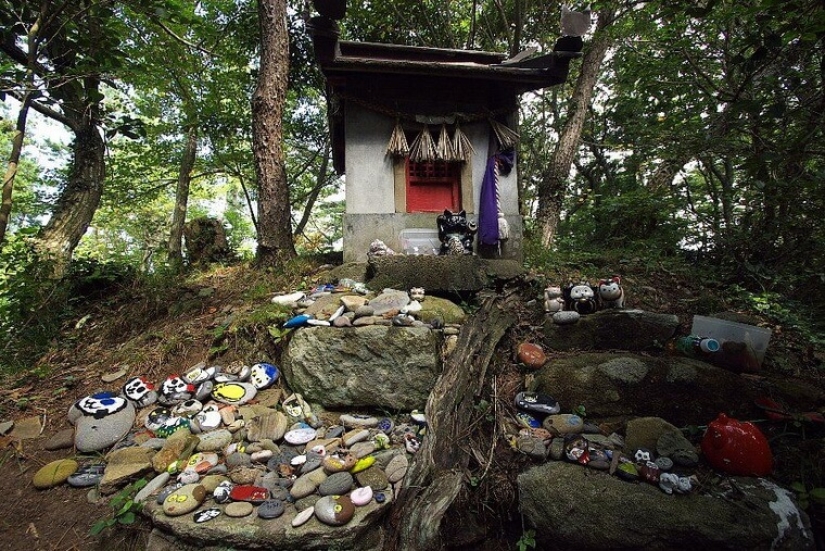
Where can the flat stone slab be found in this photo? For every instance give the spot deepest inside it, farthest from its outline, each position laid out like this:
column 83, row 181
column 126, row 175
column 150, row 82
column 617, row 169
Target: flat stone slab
column 363, row 532
column 612, row 330
column 27, row 428
column 441, row 274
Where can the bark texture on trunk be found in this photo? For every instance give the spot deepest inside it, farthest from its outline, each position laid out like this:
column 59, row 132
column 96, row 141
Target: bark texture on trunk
column 11, row 169
column 439, row 468
column 274, row 214
column 78, row 201
column 553, row 184
column 182, row 198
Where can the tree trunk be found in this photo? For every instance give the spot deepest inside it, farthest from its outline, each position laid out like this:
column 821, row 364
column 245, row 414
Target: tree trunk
column 320, row 183
column 79, row 200
column 552, row 186
column 274, row 217
column 11, row 170
column 439, row 468
column 175, row 256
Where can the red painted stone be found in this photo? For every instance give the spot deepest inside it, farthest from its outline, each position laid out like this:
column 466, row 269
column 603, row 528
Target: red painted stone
column 531, row 355
column 737, row 448
column 252, row 494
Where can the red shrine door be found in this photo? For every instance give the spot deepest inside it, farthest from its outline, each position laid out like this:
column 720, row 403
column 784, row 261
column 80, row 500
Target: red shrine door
column 433, row 186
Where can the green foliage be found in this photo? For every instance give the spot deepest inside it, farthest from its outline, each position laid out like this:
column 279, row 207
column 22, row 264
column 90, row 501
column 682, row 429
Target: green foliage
column 527, row 540
column 124, row 508
column 31, row 310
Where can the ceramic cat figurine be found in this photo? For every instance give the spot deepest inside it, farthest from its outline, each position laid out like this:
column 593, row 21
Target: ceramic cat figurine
column 553, row 301
column 611, row 293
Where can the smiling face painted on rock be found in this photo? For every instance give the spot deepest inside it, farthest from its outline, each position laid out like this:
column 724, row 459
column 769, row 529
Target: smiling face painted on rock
column 101, row 404
column 138, row 389
column 174, row 385
column 264, row 375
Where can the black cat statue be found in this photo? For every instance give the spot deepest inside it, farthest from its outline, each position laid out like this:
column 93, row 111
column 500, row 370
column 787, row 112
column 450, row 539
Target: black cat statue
column 455, row 233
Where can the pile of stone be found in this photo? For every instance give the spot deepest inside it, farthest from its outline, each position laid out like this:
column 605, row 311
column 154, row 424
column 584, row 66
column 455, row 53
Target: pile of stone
column 226, row 441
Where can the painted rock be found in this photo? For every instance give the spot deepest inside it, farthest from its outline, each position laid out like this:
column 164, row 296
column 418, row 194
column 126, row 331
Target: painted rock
column 531, row 355
column 238, row 509
column 239, row 371
column 54, row 473
column 201, row 462
column 363, row 464
column 140, row 391
column 527, row 420
column 235, row 393
column 361, row 496
column 189, row 477
column 535, row 402
column 97, row 406
column 336, row 484
column 87, row 475
column 174, row 390
column 250, row 493
column 184, row 500
column 334, row 510
column 303, row 516
column 199, row 374
column 363, row 449
column 264, row 375
column 95, row 430
column 206, row 515
column 288, row 298
column 271, row 508
column 737, row 448
column 563, row 423
column 338, row 463
column 206, row 420
column 297, row 321
column 300, row 436
column 204, row 390
column 167, row 491
column 187, row 408
column 172, row 425
column 222, row 492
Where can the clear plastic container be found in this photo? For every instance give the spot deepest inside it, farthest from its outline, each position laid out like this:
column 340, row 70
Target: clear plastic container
column 742, row 347
column 420, row 241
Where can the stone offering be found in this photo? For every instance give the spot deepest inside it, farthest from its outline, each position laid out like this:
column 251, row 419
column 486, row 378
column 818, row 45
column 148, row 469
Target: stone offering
column 334, row 510
column 106, row 421
column 303, row 517
column 54, row 473
column 139, row 391
column 184, row 500
column 531, row 355
column 563, row 423
column 250, row 493
column 214, row 441
column 300, row 436
column 199, row 374
column 206, row 515
column 238, row 509
column 336, row 484
column 60, row 440
column 98, row 406
column 87, row 475
column 361, row 496
column 174, row 390
column 264, row 375
column 397, row 468
column 374, row 478
column 271, row 508
column 234, row 393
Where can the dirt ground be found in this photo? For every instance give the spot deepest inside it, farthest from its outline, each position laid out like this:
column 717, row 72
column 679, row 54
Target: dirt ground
column 174, row 329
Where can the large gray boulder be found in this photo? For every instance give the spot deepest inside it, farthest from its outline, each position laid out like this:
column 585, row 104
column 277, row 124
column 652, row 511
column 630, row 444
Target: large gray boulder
column 682, row 390
column 572, row 507
column 372, row 366
column 612, row 330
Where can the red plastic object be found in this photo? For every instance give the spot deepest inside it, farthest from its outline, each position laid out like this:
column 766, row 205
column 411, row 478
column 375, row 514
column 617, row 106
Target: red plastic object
column 737, row 448
column 252, row 494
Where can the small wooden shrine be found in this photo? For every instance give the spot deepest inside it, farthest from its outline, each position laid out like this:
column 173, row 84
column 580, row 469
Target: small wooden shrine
column 419, row 130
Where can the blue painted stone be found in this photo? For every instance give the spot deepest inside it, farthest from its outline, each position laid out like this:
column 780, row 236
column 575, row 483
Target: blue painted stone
column 297, row 321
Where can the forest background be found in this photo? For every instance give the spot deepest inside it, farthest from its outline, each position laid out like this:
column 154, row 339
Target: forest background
column 687, row 130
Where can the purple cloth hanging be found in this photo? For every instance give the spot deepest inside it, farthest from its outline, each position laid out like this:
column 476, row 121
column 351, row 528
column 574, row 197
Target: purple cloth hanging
column 488, row 203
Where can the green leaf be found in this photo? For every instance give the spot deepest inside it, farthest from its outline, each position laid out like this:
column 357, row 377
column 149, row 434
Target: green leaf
column 98, row 527
column 128, row 518
column 818, row 495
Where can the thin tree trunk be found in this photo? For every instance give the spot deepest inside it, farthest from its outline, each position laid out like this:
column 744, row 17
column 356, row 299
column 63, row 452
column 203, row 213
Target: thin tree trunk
column 274, row 216
column 320, row 183
column 438, row 469
column 182, row 198
column 14, row 161
column 79, row 200
column 552, row 186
